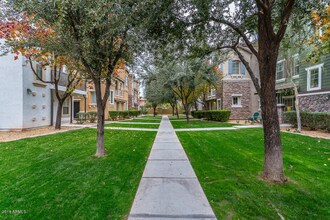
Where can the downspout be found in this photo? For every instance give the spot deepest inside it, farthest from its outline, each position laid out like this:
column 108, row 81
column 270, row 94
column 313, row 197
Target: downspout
column 51, row 102
column 71, row 109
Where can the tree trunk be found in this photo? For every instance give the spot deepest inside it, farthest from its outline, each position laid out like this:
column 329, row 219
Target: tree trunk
column 273, row 161
column 58, row 122
column 154, row 111
column 177, row 111
column 186, row 109
column 297, row 108
column 173, row 112
column 100, row 149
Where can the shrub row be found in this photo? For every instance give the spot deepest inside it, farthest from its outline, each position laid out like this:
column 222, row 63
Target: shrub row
column 114, row 115
column 213, row 115
column 88, row 116
column 311, row 120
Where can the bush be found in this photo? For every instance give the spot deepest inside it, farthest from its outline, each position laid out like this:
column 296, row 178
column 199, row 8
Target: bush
column 311, row 120
column 113, row 115
column 134, row 113
column 198, row 114
column 81, row 117
column 92, row 116
column 217, row 115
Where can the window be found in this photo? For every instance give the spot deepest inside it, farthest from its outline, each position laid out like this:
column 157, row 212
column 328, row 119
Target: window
column 39, row 72
column 126, row 81
column 236, row 100
column 280, row 70
column 111, row 97
column 295, row 67
column 93, row 97
column 314, row 75
column 66, row 107
column 236, row 64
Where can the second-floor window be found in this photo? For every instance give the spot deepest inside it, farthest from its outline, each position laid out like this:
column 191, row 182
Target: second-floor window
column 280, row 70
column 39, row 72
column 93, row 97
column 295, row 66
column 314, row 77
column 236, row 65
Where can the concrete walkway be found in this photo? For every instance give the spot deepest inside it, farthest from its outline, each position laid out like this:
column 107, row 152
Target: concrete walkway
column 169, row 188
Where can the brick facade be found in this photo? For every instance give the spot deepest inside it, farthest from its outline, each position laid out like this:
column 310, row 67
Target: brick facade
column 315, row 103
column 238, row 87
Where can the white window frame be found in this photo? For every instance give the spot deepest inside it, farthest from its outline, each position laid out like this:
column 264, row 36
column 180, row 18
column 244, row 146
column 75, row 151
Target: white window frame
column 283, row 77
column 309, row 69
column 112, row 101
column 239, row 100
column 295, row 58
column 93, row 92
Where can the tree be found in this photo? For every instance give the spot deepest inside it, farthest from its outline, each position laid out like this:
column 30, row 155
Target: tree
column 94, row 33
column 185, row 78
column 320, row 40
column 154, row 93
column 214, row 25
column 40, row 44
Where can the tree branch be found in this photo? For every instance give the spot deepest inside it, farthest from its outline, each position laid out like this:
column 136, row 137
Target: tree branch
column 284, row 19
column 248, row 68
column 35, row 73
column 240, row 32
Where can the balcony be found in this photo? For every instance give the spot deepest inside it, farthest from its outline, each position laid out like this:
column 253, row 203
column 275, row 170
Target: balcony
column 63, row 82
column 119, row 93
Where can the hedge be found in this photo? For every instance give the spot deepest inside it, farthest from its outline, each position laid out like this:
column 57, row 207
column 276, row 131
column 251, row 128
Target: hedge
column 114, row 115
column 311, row 120
column 82, row 117
column 213, row 115
column 198, row 114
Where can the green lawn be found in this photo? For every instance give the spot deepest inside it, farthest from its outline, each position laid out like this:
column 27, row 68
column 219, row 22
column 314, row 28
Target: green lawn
column 127, row 125
column 145, row 120
column 151, row 117
column 200, row 124
column 227, row 164
column 57, row 176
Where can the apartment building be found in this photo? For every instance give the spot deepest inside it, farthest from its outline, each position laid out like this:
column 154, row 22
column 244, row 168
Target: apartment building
column 26, row 102
column 236, row 91
column 124, row 92
column 311, row 79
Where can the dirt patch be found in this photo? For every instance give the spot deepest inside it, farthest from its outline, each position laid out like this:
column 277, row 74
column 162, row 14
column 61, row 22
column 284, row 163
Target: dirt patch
column 33, row 132
column 306, row 132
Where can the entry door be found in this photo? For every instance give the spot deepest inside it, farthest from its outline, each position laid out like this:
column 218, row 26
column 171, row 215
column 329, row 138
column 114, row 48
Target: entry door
column 76, row 108
column 218, row 104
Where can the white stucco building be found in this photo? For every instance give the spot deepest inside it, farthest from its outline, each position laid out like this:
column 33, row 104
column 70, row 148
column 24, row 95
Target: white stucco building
column 26, row 102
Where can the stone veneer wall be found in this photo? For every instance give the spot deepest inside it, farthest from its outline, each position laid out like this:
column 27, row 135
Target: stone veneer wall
column 243, row 87
column 315, row 103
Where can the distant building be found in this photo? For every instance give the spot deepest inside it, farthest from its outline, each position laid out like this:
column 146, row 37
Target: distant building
column 236, row 91
column 124, row 93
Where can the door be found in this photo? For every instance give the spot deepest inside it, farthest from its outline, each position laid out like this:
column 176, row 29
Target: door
column 76, row 108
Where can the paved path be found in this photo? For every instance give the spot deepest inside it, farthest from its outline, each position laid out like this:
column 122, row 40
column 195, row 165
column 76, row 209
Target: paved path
column 169, row 188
